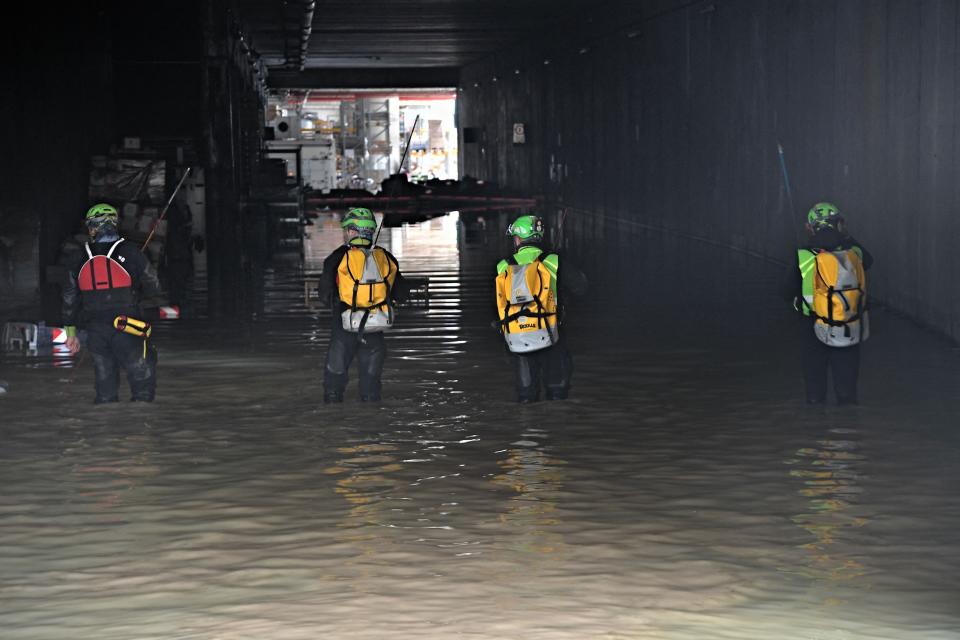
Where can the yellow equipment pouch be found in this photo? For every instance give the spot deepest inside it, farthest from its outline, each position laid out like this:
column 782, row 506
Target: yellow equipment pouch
column 134, row 327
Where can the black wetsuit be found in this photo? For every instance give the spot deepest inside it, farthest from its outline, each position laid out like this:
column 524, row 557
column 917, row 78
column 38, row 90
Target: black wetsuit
column 370, row 349
column 816, row 358
column 92, row 298
column 551, row 368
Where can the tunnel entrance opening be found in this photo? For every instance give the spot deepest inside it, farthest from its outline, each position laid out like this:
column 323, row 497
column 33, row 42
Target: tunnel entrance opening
column 356, row 139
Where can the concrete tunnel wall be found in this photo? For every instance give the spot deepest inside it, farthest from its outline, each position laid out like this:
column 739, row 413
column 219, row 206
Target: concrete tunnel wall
column 668, row 116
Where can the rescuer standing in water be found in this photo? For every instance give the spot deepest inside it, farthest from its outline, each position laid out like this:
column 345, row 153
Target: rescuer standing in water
column 102, row 296
column 362, row 282
column 828, row 288
column 528, row 289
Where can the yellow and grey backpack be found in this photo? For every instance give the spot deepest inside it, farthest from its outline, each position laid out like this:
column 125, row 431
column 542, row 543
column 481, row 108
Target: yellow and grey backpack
column 527, row 305
column 365, row 278
column 835, row 292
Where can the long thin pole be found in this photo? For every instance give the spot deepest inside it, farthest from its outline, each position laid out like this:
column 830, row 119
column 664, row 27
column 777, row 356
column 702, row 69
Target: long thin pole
column 786, row 183
column 394, row 189
column 164, row 212
column 409, row 138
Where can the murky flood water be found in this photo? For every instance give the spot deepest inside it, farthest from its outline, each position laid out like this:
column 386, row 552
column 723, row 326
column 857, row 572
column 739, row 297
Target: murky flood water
column 683, row 493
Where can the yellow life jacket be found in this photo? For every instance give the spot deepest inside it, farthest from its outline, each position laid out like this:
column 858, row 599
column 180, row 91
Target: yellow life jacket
column 840, row 298
column 527, row 306
column 365, row 278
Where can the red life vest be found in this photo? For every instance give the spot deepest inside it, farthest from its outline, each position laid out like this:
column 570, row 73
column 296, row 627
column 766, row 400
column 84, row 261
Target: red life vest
column 103, row 272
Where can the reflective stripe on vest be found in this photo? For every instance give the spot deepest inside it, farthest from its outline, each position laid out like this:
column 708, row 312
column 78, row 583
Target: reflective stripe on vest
column 807, row 261
column 100, row 273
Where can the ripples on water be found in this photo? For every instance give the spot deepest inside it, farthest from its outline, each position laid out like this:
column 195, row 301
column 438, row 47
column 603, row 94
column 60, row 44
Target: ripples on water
column 683, row 493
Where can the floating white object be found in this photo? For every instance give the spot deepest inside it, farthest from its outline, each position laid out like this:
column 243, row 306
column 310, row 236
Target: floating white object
column 19, row 335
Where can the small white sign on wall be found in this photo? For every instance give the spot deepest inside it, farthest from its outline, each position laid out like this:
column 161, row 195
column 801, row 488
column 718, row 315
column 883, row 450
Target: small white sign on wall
column 519, row 133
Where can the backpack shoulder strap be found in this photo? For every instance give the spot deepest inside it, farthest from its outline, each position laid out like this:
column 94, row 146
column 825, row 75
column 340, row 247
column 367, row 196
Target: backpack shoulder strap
column 386, row 257
column 87, row 247
column 345, row 260
column 113, row 247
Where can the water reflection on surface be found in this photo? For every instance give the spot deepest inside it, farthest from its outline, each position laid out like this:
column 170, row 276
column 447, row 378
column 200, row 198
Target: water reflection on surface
column 831, row 478
column 683, row 492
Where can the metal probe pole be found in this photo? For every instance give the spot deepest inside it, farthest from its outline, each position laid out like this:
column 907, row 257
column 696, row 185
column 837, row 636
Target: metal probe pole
column 786, row 183
column 394, row 190
column 164, row 212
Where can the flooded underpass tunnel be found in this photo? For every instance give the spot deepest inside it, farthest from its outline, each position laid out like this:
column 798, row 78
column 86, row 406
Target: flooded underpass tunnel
column 723, row 229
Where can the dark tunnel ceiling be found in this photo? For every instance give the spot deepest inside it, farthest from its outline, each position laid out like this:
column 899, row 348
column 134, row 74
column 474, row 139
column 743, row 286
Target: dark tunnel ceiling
column 385, row 35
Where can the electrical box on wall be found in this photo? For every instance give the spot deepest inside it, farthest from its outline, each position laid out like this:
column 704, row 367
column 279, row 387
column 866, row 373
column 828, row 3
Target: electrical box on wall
column 519, row 133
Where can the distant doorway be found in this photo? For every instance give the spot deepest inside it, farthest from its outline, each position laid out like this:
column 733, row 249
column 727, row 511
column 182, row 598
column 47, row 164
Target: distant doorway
column 356, row 139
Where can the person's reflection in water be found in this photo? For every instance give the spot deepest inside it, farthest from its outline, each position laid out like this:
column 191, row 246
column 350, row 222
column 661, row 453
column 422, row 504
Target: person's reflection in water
column 532, row 513
column 830, row 474
column 365, row 483
column 111, row 481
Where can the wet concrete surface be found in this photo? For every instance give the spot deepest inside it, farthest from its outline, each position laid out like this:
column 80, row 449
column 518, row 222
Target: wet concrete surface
column 683, row 492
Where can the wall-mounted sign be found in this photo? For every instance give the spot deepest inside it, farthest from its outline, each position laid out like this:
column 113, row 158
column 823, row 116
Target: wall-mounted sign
column 519, row 133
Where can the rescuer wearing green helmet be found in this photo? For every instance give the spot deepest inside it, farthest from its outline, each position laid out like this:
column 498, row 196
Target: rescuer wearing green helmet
column 827, row 285
column 529, row 290
column 361, row 282
column 102, row 295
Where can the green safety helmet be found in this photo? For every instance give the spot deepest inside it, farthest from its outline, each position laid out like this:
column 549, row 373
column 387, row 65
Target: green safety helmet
column 527, row 227
column 363, row 221
column 358, row 217
column 823, row 214
column 100, row 214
